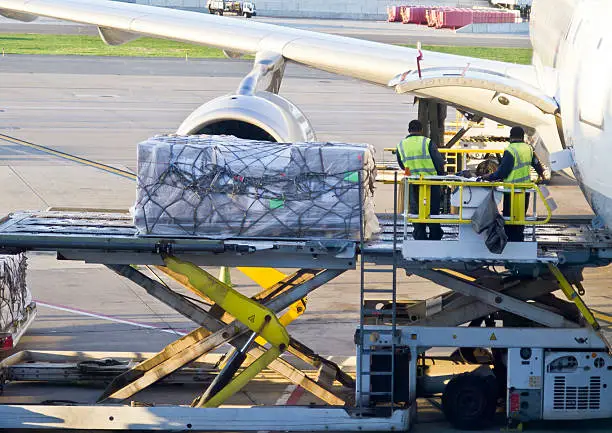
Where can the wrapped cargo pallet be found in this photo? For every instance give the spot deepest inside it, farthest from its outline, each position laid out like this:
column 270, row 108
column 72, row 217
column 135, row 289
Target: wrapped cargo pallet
column 224, row 187
column 15, row 297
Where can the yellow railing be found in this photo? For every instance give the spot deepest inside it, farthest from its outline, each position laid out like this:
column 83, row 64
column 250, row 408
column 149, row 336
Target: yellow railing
column 518, row 200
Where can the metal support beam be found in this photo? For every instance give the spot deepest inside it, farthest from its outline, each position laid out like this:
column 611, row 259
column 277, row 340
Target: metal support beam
column 424, row 337
column 496, row 299
column 432, row 115
column 169, row 297
column 185, row 350
column 174, row 356
column 180, row 418
column 296, row 348
column 459, row 309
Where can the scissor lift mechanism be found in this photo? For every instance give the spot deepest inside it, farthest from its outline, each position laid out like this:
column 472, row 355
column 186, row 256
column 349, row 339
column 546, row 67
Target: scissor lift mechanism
column 252, row 327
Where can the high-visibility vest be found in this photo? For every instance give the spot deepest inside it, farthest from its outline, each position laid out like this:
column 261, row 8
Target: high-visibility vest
column 523, row 155
column 414, row 154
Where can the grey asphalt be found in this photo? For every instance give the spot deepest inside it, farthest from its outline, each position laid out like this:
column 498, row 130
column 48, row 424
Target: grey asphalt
column 155, row 67
column 100, row 108
column 378, row 31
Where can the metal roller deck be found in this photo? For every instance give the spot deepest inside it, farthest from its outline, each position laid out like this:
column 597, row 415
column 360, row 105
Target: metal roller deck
column 98, row 236
column 110, row 237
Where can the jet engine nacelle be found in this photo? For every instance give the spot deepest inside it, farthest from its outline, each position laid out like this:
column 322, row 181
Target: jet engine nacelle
column 261, row 116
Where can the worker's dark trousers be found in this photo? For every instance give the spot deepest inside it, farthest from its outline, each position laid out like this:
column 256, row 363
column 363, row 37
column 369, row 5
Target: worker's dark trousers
column 514, row 233
column 420, row 230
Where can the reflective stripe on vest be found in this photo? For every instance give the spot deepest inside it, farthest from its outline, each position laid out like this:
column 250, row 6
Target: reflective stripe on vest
column 414, row 154
column 523, row 155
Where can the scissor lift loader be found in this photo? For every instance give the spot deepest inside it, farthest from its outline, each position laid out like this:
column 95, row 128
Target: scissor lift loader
column 537, row 355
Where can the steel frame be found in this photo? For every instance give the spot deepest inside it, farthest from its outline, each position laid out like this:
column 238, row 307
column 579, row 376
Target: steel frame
column 116, row 249
column 214, row 332
column 421, row 338
column 181, row 418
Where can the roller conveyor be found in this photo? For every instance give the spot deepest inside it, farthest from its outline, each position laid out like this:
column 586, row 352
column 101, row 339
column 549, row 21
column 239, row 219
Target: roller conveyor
column 110, row 237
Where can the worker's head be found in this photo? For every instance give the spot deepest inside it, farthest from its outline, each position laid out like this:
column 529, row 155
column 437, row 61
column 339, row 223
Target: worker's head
column 415, row 127
column 517, row 134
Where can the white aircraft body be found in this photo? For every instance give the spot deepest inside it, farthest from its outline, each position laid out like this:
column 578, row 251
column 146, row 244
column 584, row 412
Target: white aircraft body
column 564, row 96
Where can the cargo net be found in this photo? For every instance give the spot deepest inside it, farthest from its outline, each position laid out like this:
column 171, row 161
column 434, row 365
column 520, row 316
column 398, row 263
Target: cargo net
column 222, row 187
column 15, row 298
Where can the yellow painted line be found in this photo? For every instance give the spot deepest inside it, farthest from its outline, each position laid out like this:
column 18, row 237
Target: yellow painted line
column 264, row 277
column 456, row 274
column 69, row 157
column 602, row 316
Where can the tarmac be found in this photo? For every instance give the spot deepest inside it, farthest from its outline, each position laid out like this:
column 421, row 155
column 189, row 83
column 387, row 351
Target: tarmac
column 378, row 31
column 100, row 108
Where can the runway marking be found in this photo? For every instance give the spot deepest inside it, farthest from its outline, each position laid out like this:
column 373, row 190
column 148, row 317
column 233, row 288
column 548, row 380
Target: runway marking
column 290, row 397
column 107, row 168
column 602, row 316
column 109, row 318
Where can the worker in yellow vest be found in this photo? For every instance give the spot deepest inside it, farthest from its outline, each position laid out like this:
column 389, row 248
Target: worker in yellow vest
column 515, row 167
column 420, row 155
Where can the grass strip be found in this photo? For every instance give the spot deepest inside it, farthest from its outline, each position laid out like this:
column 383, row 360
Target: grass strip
column 510, row 55
column 82, row 45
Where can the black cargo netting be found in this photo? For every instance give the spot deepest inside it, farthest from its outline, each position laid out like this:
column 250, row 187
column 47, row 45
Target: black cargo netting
column 222, row 186
column 15, row 297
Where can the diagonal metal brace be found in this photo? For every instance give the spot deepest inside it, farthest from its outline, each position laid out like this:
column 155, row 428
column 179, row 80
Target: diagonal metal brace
column 277, row 286
column 496, row 299
column 250, row 313
column 157, row 367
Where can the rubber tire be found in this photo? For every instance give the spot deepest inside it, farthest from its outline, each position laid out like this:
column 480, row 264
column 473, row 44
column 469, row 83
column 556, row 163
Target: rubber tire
column 469, row 401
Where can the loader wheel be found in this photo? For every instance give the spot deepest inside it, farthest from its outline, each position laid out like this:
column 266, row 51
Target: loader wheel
column 470, row 401
column 247, row 15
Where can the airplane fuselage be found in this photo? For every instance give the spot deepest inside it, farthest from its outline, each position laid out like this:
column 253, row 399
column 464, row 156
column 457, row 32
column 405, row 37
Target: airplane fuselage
column 572, row 42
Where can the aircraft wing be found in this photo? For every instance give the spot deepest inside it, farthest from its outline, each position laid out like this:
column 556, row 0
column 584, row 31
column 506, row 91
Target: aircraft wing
column 498, row 90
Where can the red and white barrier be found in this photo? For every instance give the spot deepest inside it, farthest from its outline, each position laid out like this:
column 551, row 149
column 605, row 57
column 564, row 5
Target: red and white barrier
column 446, row 17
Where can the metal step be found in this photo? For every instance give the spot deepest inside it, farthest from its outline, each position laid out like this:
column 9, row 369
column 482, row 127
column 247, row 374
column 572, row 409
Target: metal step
column 374, row 312
column 376, row 270
column 378, row 291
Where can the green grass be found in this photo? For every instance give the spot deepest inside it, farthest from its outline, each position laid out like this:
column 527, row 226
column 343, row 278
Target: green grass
column 80, row 45
column 510, row 55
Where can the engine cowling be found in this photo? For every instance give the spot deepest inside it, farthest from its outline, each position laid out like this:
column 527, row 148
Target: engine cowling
column 262, row 116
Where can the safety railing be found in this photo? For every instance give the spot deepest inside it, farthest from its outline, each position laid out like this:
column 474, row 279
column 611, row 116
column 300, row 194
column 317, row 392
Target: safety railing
column 519, row 193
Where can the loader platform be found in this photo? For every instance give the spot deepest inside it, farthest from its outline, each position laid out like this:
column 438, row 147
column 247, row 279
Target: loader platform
column 392, row 337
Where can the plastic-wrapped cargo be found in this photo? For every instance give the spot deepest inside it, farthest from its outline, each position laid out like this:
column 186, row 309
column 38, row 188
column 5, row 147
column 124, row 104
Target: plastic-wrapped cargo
column 15, row 297
column 224, row 187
